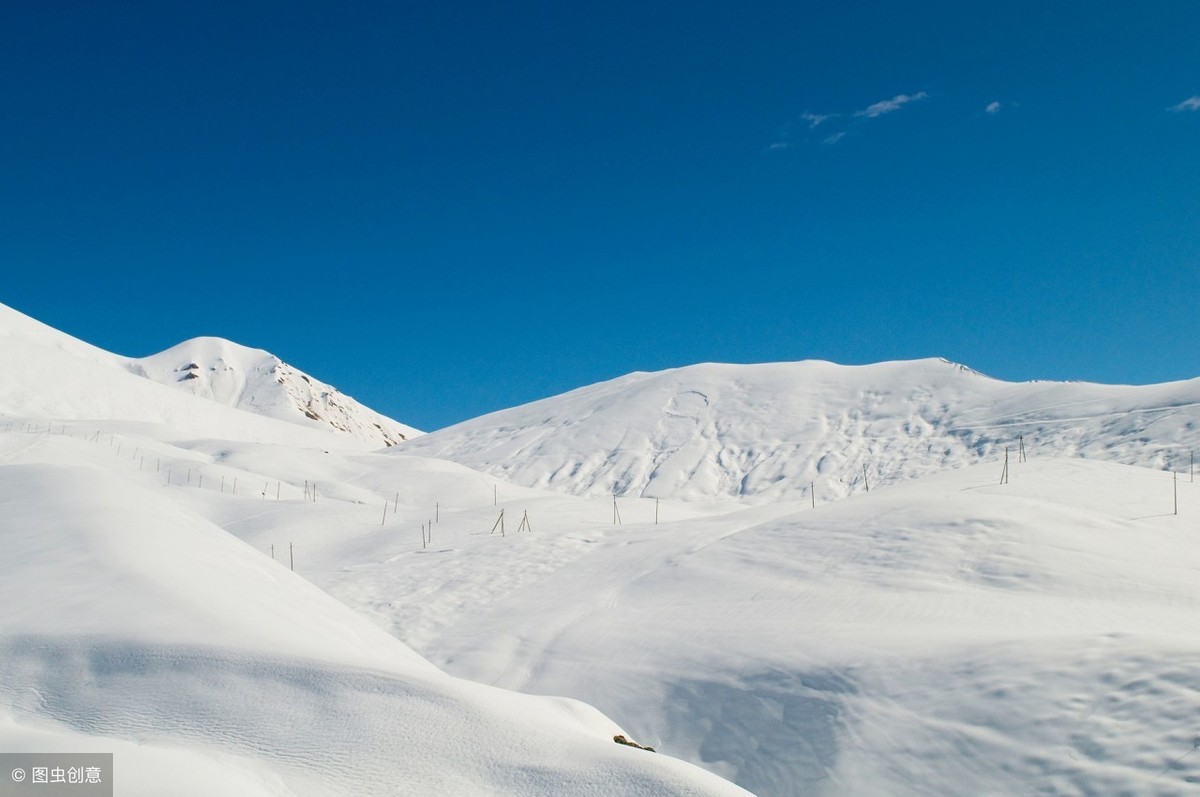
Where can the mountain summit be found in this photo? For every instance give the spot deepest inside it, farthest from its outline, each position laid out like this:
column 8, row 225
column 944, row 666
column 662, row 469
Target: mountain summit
column 259, row 382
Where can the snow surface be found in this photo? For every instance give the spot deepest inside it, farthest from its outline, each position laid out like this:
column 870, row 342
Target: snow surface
column 133, row 624
column 945, row 635
column 1036, row 637
column 774, row 431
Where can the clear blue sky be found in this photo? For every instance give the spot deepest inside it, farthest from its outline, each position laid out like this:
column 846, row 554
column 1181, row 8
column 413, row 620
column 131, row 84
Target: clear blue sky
column 446, row 209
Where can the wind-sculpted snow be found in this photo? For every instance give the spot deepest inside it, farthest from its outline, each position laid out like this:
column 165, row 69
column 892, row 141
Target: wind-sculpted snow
column 775, row 431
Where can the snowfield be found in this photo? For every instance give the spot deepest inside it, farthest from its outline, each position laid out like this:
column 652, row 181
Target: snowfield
column 941, row 634
column 131, row 617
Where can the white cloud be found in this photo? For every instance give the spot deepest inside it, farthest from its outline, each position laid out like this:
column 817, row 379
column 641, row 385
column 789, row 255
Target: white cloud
column 993, row 107
column 779, row 145
column 835, row 138
column 887, row 106
column 815, row 119
column 1190, row 104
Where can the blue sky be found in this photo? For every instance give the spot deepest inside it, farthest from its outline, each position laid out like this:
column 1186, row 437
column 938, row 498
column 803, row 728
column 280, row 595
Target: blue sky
column 451, row 208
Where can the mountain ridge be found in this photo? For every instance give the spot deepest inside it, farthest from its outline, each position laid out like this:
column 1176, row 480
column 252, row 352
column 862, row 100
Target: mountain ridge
column 779, row 431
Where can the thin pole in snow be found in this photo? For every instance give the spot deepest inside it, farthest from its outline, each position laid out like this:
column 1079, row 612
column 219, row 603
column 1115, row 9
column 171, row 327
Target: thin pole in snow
column 1004, row 473
column 396, row 507
column 272, row 552
column 656, row 511
column 866, row 483
column 812, row 493
column 384, row 520
column 291, row 557
column 437, row 513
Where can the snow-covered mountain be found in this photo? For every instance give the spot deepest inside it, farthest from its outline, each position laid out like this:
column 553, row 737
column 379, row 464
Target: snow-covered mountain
column 207, row 387
column 948, row 634
column 775, row 431
column 258, row 381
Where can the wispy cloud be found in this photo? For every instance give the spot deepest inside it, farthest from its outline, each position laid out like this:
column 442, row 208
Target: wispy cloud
column 888, row 106
column 993, row 107
column 830, row 128
column 1190, row 104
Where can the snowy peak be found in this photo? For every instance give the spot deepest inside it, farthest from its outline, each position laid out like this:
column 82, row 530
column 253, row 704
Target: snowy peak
column 212, row 368
column 779, row 430
column 217, row 389
column 259, row 382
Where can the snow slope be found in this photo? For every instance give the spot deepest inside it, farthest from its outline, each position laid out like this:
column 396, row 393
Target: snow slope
column 51, row 375
column 946, row 635
column 133, row 624
column 941, row 637
column 769, row 432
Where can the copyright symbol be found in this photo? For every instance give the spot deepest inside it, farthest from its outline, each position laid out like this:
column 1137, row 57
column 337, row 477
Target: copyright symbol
column 18, row 775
